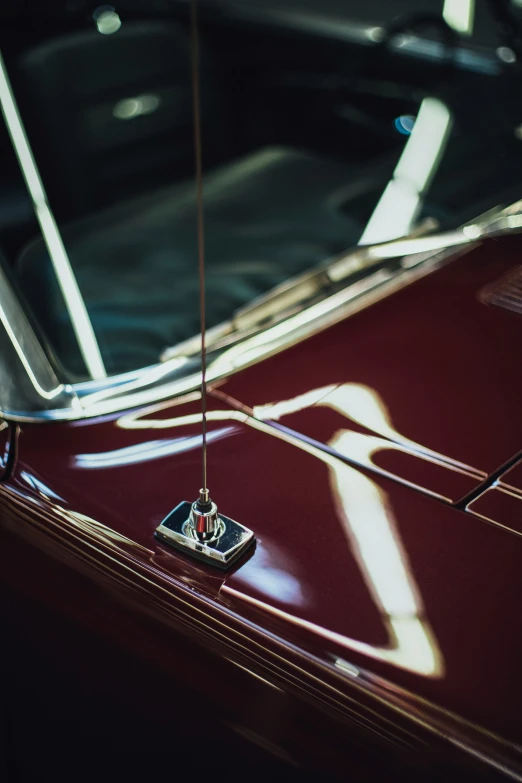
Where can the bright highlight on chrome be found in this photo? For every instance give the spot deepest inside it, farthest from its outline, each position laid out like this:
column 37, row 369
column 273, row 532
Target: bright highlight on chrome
column 71, row 293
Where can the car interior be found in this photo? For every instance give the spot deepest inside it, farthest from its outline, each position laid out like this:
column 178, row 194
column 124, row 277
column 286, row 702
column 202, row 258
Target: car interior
column 306, row 109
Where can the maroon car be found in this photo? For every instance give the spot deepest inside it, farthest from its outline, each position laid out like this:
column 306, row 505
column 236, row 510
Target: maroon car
column 344, row 602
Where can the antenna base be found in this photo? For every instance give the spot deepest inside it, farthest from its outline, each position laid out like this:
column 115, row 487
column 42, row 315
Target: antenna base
column 224, row 540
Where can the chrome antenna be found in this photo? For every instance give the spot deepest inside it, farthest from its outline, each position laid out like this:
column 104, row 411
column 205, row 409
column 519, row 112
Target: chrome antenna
column 204, row 499
column 197, row 528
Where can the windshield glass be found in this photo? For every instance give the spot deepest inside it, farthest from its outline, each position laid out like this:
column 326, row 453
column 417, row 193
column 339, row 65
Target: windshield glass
column 325, row 124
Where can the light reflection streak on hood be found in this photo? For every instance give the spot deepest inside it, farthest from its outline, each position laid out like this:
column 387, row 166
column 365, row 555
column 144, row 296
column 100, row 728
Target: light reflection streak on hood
column 144, row 452
column 369, row 527
column 93, row 529
column 268, row 574
column 360, row 404
column 134, row 421
column 42, row 489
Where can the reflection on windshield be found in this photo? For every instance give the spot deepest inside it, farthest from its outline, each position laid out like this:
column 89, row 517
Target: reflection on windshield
column 460, row 15
column 399, row 205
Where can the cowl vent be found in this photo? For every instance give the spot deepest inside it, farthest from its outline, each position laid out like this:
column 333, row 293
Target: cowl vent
column 506, row 292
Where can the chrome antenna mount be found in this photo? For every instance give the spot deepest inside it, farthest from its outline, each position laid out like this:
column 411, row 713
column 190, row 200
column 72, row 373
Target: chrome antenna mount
column 199, row 530
column 204, row 518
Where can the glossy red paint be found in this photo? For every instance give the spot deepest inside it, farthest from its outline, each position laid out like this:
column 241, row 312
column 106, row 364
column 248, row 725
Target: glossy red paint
column 501, row 506
column 512, row 479
column 432, row 368
column 430, row 474
column 369, row 601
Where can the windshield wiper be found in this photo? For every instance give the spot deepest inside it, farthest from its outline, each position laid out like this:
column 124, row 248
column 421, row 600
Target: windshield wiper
column 296, row 292
column 308, row 285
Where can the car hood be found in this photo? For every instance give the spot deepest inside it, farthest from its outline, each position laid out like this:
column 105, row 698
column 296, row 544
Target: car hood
column 367, row 589
column 423, row 385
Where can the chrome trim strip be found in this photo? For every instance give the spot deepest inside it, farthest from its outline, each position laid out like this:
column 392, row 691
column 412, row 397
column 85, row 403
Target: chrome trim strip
column 74, row 303
column 29, row 387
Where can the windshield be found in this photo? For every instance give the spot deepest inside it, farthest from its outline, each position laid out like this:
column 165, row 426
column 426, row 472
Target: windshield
column 326, row 124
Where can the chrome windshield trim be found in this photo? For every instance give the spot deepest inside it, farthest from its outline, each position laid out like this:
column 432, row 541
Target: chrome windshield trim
column 29, row 387
column 65, row 276
column 30, row 390
column 181, row 375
